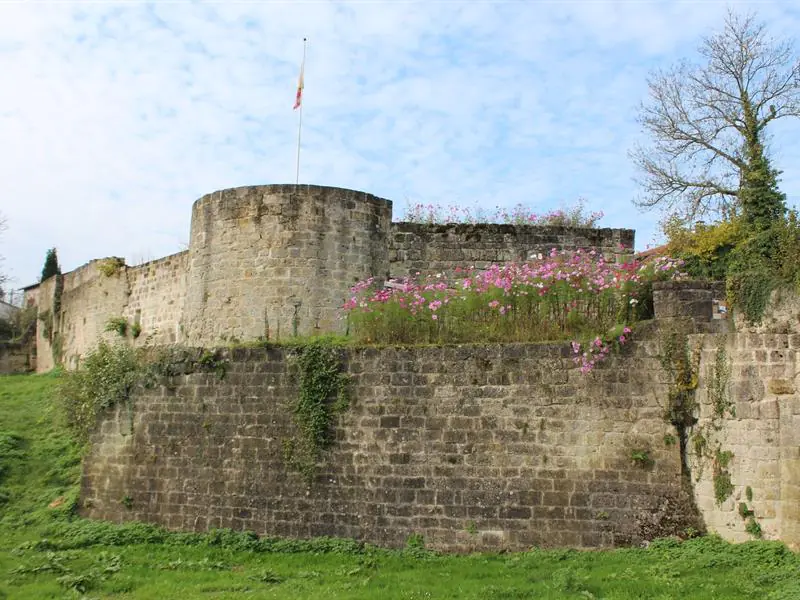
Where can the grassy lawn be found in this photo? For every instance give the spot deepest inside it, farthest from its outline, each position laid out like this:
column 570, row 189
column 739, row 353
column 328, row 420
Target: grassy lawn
column 47, row 553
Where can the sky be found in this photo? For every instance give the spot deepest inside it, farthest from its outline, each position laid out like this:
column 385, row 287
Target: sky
column 116, row 116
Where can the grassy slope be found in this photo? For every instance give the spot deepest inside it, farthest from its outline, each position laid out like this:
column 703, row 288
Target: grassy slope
column 46, row 554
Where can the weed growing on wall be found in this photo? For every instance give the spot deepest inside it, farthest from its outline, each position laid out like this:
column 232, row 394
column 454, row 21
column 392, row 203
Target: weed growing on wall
column 561, row 296
column 112, row 371
column 118, row 325
column 106, row 378
column 111, row 266
column 723, row 486
column 681, row 366
column 322, row 394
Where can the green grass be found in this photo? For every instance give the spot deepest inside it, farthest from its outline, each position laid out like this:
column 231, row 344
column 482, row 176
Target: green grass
column 49, row 553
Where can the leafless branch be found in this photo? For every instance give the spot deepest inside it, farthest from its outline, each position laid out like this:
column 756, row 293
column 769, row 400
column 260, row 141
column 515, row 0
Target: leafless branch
column 698, row 122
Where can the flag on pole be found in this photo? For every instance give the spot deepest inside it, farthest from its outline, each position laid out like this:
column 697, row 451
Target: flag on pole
column 299, row 96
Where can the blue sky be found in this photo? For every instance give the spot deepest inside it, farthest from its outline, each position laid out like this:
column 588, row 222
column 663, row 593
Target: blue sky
column 115, row 117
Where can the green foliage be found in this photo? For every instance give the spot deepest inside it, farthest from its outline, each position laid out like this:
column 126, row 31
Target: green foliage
column 51, row 266
column 136, row 330
column 721, row 478
column 641, row 457
column 111, row 266
column 46, row 317
column 763, row 204
column 718, row 392
column 753, row 527
column 415, row 541
column 118, row 325
column 705, row 249
column 744, row 510
column 322, row 394
column 748, row 492
column 110, row 373
column 12, row 451
column 6, row 329
column 106, row 377
column 768, row 258
column 211, row 361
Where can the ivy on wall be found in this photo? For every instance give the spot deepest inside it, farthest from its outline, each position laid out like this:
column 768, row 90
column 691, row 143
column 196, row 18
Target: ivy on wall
column 322, row 395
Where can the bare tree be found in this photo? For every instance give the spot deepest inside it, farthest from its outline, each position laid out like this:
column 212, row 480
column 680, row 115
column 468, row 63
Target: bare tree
column 707, row 123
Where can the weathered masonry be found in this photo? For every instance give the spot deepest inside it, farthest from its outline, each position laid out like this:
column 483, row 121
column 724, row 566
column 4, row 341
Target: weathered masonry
column 479, row 446
column 273, row 261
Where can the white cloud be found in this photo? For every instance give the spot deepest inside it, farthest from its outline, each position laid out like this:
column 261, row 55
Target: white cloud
column 115, row 117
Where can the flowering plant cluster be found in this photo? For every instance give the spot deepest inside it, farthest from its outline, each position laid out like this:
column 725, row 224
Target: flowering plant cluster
column 434, row 214
column 557, row 296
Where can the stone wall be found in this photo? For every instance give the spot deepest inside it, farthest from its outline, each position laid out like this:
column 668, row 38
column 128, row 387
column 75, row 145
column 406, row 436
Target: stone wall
column 151, row 294
column 753, row 412
column 16, row 357
column 701, row 302
column 419, row 247
column 91, row 295
column 270, row 262
column 275, row 261
column 471, row 447
column 157, row 292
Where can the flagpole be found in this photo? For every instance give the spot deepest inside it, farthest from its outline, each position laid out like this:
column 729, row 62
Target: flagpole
column 300, row 123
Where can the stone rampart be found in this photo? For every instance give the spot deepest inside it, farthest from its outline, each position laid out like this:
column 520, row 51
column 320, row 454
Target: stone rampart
column 15, row 357
column 420, row 247
column 744, row 449
column 470, row 447
column 275, row 261
column 155, row 302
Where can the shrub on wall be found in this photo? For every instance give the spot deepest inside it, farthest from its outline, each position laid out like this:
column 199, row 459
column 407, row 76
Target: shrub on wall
column 106, row 377
column 705, row 249
column 753, row 260
column 112, row 371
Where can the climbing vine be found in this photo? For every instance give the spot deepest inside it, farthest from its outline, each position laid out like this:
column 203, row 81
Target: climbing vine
column 681, row 366
column 723, row 486
column 718, row 392
column 322, row 394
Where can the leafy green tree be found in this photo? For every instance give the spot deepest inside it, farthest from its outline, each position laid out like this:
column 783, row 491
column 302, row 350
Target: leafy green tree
column 708, row 122
column 51, row 266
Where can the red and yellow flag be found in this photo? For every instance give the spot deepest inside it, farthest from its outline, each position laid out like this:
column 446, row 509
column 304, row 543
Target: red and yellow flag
column 299, row 97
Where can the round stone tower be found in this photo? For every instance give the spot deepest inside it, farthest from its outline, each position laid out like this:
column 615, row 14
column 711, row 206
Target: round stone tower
column 273, row 261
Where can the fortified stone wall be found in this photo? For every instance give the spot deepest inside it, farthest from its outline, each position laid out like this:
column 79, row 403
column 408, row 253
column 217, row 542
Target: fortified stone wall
column 157, row 292
column 15, row 357
column 151, row 294
column 91, row 295
column 749, row 407
column 419, row 247
column 270, row 262
column 275, row 261
column 477, row 446
column 471, row 447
